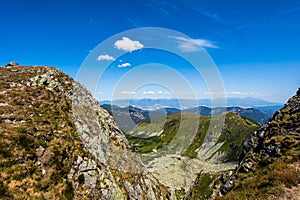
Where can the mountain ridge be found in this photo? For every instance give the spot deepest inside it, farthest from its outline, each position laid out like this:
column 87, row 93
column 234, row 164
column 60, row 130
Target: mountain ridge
column 128, row 117
column 150, row 104
column 57, row 143
column 268, row 166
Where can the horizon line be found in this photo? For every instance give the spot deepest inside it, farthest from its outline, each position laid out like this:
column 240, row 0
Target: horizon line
column 190, row 99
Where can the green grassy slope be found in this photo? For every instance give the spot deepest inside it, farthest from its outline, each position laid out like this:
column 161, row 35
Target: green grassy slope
column 236, row 129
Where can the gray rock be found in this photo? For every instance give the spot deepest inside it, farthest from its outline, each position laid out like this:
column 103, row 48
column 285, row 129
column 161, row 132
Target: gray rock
column 261, row 134
column 15, row 84
column 227, row 187
column 247, row 166
column 12, row 64
column 110, row 148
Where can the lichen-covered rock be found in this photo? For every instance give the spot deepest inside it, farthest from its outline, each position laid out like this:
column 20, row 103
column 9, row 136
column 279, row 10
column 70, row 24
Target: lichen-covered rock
column 57, row 143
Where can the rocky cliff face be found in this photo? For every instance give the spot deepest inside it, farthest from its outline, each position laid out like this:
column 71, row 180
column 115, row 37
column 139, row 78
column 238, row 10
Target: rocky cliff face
column 57, row 143
column 269, row 166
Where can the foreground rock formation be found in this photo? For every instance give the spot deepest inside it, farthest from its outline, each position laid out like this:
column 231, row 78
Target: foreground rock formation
column 57, row 143
column 269, row 166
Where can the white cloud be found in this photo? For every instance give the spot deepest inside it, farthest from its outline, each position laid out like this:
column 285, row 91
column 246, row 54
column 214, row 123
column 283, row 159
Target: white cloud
column 106, row 57
column 163, row 92
column 232, row 93
column 128, row 92
column 149, row 92
column 129, row 45
column 218, row 93
column 238, row 93
column 124, row 65
column 189, row 45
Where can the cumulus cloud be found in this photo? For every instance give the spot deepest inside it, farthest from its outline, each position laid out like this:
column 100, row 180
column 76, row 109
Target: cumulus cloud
column 127, row 44
column 189, row 45
column 106, row 57
column 124, row 65
column 149, row 92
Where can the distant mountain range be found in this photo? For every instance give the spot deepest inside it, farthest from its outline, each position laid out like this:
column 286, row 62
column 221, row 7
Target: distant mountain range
column 269, row 110
column 154, row 104
column 128, row 117
column 251, row 113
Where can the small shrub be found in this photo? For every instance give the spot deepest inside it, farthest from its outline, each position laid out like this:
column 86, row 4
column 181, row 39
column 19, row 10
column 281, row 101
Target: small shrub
column 25, row 141
column 180, row 193
column 55, row 178
column 4, row 151
column 3, row 189
column 43, row 185
column 81, row 179
column 68, row 192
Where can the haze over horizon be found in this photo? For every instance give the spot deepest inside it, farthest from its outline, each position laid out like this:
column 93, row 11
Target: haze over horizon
column 208, row 99
column 255, row 45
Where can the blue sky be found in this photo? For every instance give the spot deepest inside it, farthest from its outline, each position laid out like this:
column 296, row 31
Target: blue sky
column 254, row 44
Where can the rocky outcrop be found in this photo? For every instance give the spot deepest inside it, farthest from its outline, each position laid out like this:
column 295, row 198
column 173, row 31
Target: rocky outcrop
column 57, row 143
column 275, row 138
column 274, row 144
column 127, row 117
column 12, row 64
column 106, row 142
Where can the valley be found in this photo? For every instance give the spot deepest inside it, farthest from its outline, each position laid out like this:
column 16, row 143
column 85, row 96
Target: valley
column 128, row 117
column 66, row 146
